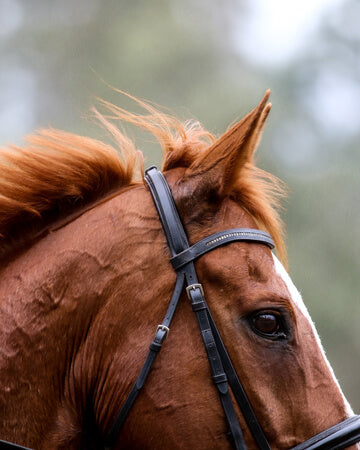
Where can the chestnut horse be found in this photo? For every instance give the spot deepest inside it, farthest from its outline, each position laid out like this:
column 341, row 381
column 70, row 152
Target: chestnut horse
column 86, row 278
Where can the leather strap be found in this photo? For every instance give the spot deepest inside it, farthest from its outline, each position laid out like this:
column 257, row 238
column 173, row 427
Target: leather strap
column 219, row 239
column 169, row 217
column 5, row 445
column 161, row 333
column 339, row 436
column 219, row 377
column 238, row 391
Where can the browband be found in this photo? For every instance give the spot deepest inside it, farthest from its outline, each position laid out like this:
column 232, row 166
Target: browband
column 218, row 239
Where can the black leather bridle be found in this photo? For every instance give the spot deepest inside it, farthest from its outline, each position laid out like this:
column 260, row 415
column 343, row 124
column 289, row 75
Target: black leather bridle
column 182, row 259
column 340, row 436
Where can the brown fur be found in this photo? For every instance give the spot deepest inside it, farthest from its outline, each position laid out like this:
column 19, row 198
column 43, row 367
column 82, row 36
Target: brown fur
column 53, row 175
column 58, row 173
column 80, row 306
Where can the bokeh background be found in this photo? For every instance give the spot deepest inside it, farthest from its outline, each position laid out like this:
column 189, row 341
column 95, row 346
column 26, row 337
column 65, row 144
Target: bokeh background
column 213, row 60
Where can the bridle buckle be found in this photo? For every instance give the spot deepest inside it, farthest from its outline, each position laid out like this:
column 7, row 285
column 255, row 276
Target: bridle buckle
column 194, row 287
column 163, row 328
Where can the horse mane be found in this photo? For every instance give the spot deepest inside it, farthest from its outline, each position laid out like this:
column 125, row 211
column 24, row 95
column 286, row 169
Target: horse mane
column 57, row 173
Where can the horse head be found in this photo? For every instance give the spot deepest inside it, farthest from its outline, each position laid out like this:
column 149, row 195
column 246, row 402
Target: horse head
column 91, row 293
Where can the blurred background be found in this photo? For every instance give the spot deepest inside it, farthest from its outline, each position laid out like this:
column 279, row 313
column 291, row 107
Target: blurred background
column 213, row 60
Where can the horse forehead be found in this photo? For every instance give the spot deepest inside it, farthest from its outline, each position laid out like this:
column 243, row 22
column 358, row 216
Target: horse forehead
column 245, row 266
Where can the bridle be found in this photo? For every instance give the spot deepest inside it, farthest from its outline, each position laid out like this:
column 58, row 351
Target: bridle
column 182, row 259
column 183, row 255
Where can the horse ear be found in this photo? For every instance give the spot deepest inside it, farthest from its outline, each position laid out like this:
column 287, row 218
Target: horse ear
column 219, row 166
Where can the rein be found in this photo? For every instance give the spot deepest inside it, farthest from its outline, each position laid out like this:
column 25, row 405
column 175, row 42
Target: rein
column 342, row 435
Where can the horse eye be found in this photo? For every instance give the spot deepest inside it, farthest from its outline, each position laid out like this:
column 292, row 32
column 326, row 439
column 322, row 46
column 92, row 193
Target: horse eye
column 268, row 324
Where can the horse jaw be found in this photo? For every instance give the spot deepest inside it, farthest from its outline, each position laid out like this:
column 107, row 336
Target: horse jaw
column 298, row 301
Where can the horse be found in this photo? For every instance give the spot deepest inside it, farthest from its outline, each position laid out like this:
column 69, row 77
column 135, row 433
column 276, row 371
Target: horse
column 86, row 277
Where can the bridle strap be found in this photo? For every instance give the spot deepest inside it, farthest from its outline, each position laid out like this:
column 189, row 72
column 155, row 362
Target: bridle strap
column 199, row 306
column 5, row 445
column 339, row 436
column 238, row 391
column 215, row 240
column 154, row 349
column 166, row 208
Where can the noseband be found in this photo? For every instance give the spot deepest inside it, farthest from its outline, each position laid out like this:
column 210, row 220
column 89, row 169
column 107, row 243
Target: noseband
column 340, row 436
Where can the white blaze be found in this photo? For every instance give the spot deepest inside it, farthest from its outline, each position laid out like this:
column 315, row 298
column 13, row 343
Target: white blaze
column 297, row 299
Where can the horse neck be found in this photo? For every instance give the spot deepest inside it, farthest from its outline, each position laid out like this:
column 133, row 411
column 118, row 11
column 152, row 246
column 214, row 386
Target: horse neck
column 58, row 296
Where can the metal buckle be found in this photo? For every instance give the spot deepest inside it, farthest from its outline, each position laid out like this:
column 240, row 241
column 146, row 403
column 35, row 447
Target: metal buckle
column 194, row 287
column 163, row 328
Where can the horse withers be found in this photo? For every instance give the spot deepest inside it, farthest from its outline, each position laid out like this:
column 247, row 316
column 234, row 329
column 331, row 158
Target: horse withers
column 86, row 278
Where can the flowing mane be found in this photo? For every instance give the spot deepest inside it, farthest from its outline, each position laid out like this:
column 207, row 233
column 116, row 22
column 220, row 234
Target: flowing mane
column 57, row 173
